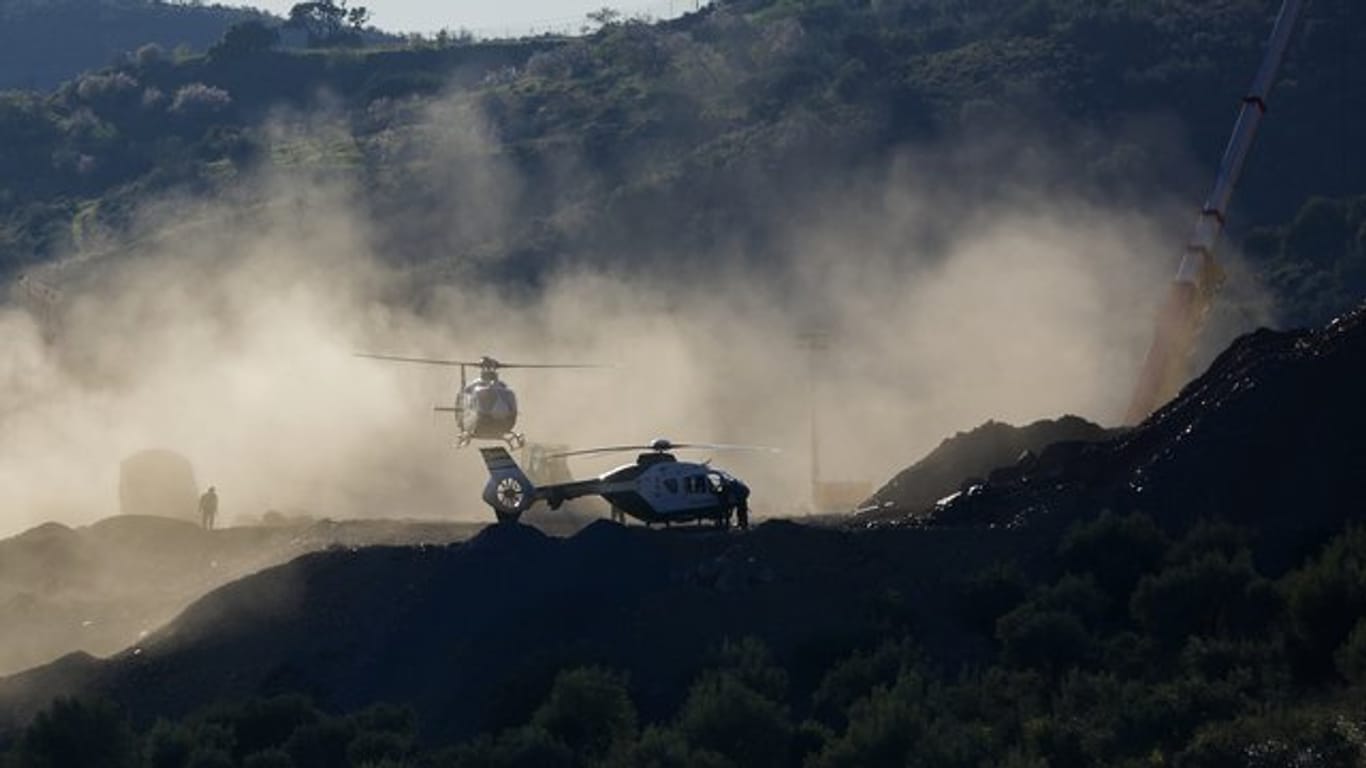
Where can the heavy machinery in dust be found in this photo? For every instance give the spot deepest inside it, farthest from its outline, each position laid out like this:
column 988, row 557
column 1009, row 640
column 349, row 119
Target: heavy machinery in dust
column 1199, row 277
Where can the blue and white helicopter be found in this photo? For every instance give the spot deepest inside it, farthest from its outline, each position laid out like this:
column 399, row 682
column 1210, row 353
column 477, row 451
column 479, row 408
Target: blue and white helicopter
column 656, row 489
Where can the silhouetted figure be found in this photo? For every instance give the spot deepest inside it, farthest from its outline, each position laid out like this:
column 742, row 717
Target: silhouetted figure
column 208, row 508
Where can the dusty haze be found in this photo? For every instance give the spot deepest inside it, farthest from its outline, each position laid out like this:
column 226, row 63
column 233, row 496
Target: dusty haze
column 224, row 330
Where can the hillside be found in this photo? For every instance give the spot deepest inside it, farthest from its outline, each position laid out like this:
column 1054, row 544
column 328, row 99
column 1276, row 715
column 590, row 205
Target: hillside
column 44, row 43
column 1198, row 567
column 459, row 631
column 98, row 588
column 711, row 134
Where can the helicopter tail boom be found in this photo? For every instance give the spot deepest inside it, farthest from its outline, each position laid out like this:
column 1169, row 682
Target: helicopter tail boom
column 509, row 491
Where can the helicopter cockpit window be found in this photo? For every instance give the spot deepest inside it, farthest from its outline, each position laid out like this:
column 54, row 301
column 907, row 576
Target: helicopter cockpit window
column 715, row 480
column 696, row 484
column 671, row 484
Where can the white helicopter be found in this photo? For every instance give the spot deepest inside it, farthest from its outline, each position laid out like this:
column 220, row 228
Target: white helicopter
column 657, row 488
column 486, row 408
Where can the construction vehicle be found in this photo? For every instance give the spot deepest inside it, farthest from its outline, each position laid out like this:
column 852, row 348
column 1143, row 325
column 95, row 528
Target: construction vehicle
column 1181, row 317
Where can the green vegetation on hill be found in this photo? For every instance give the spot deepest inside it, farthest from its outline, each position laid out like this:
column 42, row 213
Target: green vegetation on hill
column 1136, row 649
column 45, row 42
column 711, row 133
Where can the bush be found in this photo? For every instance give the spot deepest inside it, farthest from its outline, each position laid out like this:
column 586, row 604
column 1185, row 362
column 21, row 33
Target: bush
column 168, row 745
column 989, row 594
column 1116, row 550
column 261, row 724
column 1350, row 657
column 752, row 664
column 1043, row 638
column 1210, row 596
column 1326, row 600
column 269, row 758
column 884, row 728
column 74, row 734
column 1274, row 742
column 530, row 747
column 590, row 711
column 857, row 676
column 320, row 745
column 724, row 715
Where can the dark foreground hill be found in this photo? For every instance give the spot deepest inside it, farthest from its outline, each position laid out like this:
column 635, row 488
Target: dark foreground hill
column 99, row 588
column 462, row 632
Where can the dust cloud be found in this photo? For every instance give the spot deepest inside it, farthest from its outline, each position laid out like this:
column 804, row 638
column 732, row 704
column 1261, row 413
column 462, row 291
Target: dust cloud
column 225, row 330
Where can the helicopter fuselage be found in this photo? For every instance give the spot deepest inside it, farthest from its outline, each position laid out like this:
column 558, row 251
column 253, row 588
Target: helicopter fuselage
column 660, row 489
column 486, row 409
column 657, row 489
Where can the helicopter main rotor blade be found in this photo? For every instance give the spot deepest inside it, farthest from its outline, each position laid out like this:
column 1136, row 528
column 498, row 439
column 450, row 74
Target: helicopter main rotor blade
column 423, row 360
column 591, row 451
column 725, row 447
column 551, row 365
column 665, row 448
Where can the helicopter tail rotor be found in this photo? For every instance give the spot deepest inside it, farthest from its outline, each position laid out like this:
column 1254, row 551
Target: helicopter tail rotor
column 508, row 491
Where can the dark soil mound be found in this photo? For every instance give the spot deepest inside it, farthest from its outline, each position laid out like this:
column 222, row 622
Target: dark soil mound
column 1272, row 436
column 472, row 635
column 968, row 458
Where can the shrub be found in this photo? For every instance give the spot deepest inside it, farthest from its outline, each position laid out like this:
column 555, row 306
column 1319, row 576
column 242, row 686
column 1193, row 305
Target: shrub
column 590, row 711
column 1270, row 742
column 1116, row 550
column 856, row 677
column 1043, row 638
column 990, row 593
column 1210, row 596
column 884, row 728
column 1326, row 599
column 724, row 715
column 200, row 99
column 1350, row 657
column 74, row 734
column 167, row 745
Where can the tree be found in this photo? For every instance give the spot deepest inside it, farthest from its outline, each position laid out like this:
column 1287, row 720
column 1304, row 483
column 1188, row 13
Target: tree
column 245, row 39
column 328, row 23
column 74, row 734
column 590, row 711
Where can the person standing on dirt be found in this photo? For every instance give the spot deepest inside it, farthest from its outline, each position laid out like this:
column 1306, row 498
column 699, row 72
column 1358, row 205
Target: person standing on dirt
column 208, row 508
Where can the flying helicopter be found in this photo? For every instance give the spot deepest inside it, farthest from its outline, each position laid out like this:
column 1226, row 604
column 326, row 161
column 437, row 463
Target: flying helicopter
column 485, row 408
column 656, row 488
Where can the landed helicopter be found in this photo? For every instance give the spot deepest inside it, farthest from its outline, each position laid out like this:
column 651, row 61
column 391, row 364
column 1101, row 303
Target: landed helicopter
column 484, row 409
column 657, row 488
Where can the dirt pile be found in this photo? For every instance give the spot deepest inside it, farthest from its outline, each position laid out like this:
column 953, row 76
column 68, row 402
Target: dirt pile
column 967, row 459
column 1272, row 436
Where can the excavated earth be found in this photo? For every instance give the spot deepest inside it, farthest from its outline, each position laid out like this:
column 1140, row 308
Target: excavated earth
column 966, row 459
column 1273, row 437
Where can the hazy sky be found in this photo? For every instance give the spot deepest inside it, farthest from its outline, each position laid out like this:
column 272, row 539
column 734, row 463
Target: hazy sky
column 487, row 18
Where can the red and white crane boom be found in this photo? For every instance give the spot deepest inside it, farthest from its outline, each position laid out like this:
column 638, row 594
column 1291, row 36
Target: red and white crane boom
column 1198, row 279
